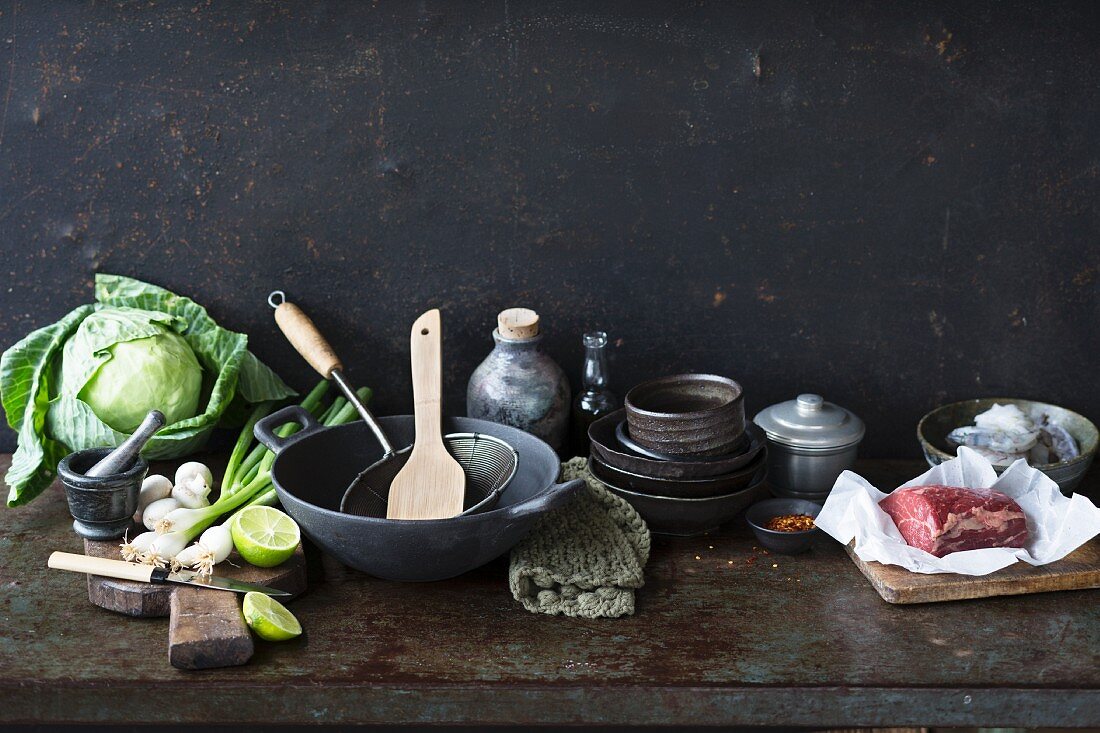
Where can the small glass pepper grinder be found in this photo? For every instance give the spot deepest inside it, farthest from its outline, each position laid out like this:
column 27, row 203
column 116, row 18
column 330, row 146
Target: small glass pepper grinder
column 595, row 400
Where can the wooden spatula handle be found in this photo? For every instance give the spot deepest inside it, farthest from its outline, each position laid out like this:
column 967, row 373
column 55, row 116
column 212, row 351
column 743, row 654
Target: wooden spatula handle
column 426, row 344
column 306, row 339
column 100, row 566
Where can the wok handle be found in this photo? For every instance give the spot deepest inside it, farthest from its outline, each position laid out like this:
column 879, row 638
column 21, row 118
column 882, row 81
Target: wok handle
column 265, row 428
column 549, row 498
column 306, row 339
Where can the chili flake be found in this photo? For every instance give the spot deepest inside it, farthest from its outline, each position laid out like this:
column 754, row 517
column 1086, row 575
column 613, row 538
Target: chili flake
column 791, row 523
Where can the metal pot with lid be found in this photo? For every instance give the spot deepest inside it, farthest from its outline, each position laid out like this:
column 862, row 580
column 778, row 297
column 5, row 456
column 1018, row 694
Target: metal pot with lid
column 810, row 442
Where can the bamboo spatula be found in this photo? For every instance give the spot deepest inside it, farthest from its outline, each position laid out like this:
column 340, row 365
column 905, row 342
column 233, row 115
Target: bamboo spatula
column 432, row 484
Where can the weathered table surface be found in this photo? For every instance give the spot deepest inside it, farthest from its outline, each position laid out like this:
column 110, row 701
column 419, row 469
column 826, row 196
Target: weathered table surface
column 724, row 634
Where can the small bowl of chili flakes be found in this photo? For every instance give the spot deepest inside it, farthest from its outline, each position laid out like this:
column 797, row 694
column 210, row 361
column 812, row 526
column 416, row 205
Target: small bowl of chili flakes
column 784, row 525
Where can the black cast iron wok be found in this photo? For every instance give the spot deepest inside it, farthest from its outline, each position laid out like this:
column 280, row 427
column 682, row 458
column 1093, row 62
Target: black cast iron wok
column 314, row 466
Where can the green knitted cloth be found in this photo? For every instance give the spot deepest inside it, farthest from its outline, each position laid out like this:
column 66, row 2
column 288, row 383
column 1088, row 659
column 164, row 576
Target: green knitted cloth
column 586, row 558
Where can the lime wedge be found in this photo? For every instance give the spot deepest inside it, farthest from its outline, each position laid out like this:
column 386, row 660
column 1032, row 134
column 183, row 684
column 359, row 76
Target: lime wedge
column 264, row 536
column 269, row 618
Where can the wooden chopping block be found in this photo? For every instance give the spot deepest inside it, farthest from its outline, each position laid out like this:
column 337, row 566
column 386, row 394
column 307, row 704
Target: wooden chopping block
column 206, row 628
column 1078, row 570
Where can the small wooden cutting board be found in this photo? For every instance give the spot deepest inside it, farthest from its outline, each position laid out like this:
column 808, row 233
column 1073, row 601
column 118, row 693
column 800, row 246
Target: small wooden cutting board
column 206, row 628
column 1078, row 570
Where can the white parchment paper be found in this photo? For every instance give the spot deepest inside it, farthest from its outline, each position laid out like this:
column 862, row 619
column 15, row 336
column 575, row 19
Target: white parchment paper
column 1057, row 524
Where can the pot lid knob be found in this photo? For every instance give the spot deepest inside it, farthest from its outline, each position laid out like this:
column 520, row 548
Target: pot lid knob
column 808, row 403
column 808, row 421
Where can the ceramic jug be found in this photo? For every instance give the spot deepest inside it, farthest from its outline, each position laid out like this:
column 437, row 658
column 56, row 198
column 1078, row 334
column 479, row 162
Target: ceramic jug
column 518, row 384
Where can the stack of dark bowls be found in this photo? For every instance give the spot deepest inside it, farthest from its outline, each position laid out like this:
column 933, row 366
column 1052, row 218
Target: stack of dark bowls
column 681, row 453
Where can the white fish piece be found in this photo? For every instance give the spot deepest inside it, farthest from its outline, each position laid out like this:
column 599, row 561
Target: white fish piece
column 998, row 458
column 998, row 441
column 1039, row 454
column 1063, row 446
column 1061, row 442
column 1004, row 417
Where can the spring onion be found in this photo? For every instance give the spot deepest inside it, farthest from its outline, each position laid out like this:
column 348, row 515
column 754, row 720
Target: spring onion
column 238, row 454
column 213, row 547
column 153, row 488
column 190, row 557
column 194, row 521
column 164, row 549
column 157, row 511
column 244, row 470
column 133, row 550
column 247, row 482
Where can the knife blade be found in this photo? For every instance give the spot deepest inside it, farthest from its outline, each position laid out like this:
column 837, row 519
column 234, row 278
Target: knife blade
column 149, row 574
column 186, row 577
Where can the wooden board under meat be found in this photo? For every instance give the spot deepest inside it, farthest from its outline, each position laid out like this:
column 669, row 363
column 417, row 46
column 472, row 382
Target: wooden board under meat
column 206, row 628
column 1078, row 570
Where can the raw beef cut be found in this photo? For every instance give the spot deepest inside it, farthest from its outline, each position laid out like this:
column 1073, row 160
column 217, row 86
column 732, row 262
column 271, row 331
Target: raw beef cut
column 945, row 519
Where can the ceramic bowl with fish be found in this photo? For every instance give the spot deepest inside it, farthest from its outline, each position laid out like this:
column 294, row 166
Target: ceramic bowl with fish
column 1059, row 442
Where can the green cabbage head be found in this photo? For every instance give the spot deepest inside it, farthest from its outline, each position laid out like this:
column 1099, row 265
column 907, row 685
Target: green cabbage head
column 89, row 379
column 148, row 366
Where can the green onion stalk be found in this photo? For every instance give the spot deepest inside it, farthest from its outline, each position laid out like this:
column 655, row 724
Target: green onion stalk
column 243, row 463
column 340, row 412
column 246, row 482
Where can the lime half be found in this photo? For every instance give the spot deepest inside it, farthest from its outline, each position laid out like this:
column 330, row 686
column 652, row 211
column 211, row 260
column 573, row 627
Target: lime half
column 269, row 618
column 264, row 536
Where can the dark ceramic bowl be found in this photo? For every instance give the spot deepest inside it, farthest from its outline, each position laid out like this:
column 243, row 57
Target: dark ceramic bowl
column 933, row 428
column 689, row 517
column 315, row 466
column 687, row 414
column 102, row 508
column 622, row 433
column 611, row 452
column 786, row 543
column 700, row 488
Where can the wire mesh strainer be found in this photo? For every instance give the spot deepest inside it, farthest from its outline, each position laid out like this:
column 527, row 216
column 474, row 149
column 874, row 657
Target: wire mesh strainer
column 488, row 463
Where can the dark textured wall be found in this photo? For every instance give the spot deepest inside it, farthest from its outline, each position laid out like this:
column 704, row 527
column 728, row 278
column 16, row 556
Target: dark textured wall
column 894, row 204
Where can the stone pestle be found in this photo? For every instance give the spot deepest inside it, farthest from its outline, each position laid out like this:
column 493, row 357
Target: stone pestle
column 122, row 457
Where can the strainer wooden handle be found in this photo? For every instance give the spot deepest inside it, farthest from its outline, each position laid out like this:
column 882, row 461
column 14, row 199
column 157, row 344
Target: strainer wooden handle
column 306, row 339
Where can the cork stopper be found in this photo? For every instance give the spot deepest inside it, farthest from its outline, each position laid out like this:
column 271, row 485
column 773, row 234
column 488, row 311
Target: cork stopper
column 518, row 323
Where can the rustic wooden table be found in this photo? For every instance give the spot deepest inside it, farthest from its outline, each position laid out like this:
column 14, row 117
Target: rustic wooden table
column 724, row 635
